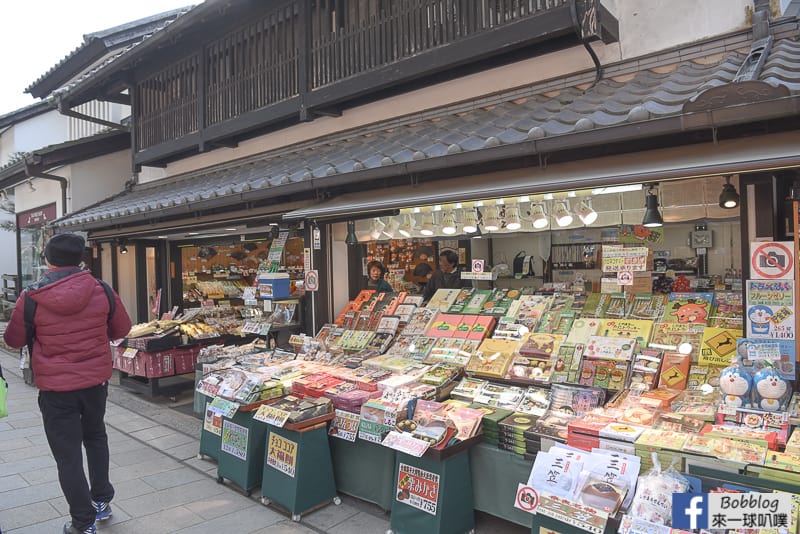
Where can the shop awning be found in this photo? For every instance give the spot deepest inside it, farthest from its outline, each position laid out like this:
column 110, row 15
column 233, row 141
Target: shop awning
column 728, row 157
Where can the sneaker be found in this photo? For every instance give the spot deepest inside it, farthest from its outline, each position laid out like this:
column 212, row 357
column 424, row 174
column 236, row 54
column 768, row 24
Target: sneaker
column 103, row 510
column 69, row 529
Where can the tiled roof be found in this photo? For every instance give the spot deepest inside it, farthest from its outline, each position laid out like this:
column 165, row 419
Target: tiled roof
column 514, row 117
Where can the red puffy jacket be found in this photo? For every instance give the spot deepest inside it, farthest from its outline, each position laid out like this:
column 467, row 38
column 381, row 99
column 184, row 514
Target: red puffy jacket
column 71, row 345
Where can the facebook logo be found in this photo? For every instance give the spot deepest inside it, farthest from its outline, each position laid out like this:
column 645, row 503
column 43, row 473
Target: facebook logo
column 689, row 510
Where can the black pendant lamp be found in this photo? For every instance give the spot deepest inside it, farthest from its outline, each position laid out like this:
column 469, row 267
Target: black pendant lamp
column 652, row 216
column 729, row 198
column 352, row 238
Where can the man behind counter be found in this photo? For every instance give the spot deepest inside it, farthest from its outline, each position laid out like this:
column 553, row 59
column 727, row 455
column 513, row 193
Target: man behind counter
column 447, row 276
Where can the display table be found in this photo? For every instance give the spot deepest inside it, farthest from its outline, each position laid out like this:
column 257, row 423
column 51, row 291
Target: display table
column 496, row 473
column 364, row 470
column 298, row 472
column 432, row 495
column 241, row 456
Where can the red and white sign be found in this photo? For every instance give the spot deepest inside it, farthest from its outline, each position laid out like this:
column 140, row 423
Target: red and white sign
column 311, row 282
column 771, row 260
column 625, row 278
column 527, row 499
column 478, row 265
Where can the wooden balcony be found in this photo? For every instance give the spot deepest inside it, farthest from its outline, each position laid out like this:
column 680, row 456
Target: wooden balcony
column 309, row 57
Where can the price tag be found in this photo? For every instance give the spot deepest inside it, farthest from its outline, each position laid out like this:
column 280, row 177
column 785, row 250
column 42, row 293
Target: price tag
column 271, row 416
column 223, row 407
column 344, row 425
column 406, row 443
column 130, row 352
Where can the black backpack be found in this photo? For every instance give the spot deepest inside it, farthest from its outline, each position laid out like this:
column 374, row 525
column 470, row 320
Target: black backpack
column 30, row 310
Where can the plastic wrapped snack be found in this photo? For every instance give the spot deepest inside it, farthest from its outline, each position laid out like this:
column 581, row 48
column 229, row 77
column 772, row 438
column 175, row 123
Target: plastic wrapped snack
column 653, row 499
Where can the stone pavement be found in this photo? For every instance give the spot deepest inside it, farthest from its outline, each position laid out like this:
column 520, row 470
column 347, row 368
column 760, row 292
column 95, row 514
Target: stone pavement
column 160, row 483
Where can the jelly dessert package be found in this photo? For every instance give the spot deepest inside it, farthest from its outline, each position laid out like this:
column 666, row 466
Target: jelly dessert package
column 653, row 499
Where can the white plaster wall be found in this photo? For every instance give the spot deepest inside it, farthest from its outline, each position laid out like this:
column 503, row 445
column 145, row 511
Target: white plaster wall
column 6, row 145
column 43, row 130
column 8, row 244
column 47, row 191
column 98, row 178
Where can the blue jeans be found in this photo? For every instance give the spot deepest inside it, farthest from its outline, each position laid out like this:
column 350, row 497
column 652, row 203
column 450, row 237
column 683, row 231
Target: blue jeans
column 73, row 419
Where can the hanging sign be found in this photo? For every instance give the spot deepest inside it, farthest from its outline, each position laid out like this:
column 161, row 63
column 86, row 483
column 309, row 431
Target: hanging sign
column 311, row 280
column 616, row 259
column 771, row 260
column 282, row 454
column 316, row 238
column 306, row 259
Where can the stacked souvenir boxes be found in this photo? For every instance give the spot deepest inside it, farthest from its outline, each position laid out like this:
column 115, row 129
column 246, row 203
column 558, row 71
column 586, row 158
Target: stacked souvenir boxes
column 667, row 444
column 491, row 422
column 511, row 436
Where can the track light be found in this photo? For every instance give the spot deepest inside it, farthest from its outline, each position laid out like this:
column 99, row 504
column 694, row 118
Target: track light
column 391, row 227
column 377, row 228
column 352, row 238
column 471, row 221
column 538, row 216
column 585, row 212
column 449, row 223
column 491, row 219
column 122, row 248
column 407, row 228
column 427, row 224
column 561, row 213
column 729, row 198
column 512, row 218
column 652, row 217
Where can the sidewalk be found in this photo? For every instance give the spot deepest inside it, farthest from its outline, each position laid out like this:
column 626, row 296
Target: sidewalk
column 161, row 485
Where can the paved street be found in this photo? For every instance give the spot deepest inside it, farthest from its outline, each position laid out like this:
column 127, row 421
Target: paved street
column 161, row 485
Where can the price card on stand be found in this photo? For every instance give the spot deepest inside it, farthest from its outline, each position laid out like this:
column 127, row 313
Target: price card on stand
column 271, row 415
column 130, row 352
column 282, row 454
column 344, row 425
column 572, row 513
column 400, row 441
column 418, row 488
column 223, row 407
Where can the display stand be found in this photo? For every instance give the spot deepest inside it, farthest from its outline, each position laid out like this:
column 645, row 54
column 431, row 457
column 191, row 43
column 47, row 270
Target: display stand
column 497, row 473
column 298, row 472
column 210, row 442
column 433, row 493
column 241, row 453
column 364, row 470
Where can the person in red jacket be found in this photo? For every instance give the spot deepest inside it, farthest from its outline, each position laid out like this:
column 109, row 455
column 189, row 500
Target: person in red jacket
column 71, row 360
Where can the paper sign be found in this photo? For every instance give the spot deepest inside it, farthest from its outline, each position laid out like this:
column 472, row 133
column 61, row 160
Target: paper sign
column 234, row 439
column 400, row 441
column 212, row 422
column 282, row 454
column 418, row 488
column 223, row 407
column 271, row 415
column 625, row 278
column 771, row 260
column 312, row 280
column 344, row 425
column 572, row 513
column 616, row 259
column 527, row 499
column 130, row 352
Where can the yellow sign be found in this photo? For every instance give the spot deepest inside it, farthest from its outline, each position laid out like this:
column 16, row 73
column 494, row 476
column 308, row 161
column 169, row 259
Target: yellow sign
column 618, row 259
column 282, row 454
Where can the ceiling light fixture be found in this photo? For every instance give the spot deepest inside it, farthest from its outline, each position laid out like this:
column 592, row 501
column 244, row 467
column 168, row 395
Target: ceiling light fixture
column 512, row 218
column 428, row 223
column 491, row 220
column 407, row 228
column 652, row 216
column 538, row 216
column 561, row 213
column 729, row 198
column 122, row 248
column 352, row 238
column 449, row 223
column 585, row 212
column 391, row 227
column 471, row 220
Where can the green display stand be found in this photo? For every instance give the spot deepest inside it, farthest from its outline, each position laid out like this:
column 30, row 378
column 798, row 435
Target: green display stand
column 424, row 507
column 297, row 471
column 364, row 470
column 199, row 399
column 496, row 474
column 241, row 456
column 210, row 442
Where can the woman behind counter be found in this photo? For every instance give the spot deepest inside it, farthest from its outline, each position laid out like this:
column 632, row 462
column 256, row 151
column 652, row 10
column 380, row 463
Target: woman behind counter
column 376, row 280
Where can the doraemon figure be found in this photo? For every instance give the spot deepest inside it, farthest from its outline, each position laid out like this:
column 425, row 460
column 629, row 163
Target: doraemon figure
column 770, row 389
column 735, row 383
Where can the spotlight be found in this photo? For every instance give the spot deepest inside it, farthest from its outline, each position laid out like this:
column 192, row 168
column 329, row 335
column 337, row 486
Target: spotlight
column 407, row 228
column 122, row 248
column 561, row 213
column 729, row 198
column 449, row 223
column 512, row 218
column 652, row 217
column 377, row 228
column 427, row 224
column 538, row 216
column 477, row 234
column 352, row 238
column 471, row 221
column 585, row 212
column 491, row 221
column 392, row 227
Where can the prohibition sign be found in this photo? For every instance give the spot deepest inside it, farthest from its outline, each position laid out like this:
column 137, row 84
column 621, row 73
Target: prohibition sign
column 527, row 498
column 766, row 255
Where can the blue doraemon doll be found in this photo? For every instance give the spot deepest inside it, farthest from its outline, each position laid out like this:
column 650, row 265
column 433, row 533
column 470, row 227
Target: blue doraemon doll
column 735, row 382
column 770, row 389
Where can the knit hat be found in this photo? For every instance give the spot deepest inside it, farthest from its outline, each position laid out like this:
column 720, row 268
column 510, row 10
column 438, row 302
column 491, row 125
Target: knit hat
column 64, row 250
